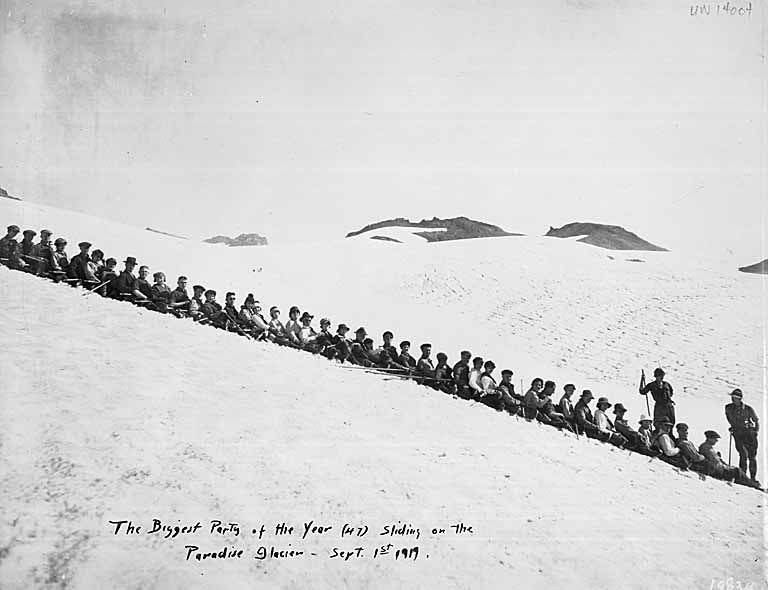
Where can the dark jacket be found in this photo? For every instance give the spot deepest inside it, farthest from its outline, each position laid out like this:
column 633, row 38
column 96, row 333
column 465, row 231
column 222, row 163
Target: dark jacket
column 126, row 282
column 742, row 418
column 179, row 295
column 584, row 418
column 79, row 268
column 661, row 393
column 144, row 287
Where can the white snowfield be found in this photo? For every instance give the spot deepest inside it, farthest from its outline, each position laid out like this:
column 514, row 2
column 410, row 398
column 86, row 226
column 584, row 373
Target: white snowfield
column 122, row 413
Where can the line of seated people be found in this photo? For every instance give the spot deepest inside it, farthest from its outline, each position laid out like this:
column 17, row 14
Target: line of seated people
column 467, row 380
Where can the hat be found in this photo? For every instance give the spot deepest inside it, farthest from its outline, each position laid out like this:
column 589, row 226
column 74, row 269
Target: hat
column 737, row 393
column 360, row 330
column 198, row 288
column 84, row 245
column 14, row 228
column 130, row 260
column 644, row 418
column 306, row 316
column 681, row 426
column 342, row 327
column 60, row 241
column 619, row 408
column 587, row 393
column 294, row 309
column 604, row 400
column 657, row 372
column 711, row 434
column 30, row 232
column 325, row 322
column 46, row 232
column 664, row 422
column 274, row 308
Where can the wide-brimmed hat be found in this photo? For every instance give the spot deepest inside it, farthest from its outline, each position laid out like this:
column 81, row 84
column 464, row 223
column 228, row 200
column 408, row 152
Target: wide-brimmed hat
column 587, row 394
column 60, row 241
column 644, row 418
column 325, row 322
column 130, row 260
column 46, row 232
column 30, row 232
column 306, row 316
column 711, row 434
column 14, row 228
column 361, row 330
column 342, row 327
column 84, row 245
column 619, row 408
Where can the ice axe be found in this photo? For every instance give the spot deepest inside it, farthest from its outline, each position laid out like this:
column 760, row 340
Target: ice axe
column 730, row 444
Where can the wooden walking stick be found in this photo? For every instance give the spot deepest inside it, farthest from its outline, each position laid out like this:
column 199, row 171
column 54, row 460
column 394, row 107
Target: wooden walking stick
column 642, row 386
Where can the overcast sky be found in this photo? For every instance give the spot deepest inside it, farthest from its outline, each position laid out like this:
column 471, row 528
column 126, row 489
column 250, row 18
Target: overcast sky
column 305, row 119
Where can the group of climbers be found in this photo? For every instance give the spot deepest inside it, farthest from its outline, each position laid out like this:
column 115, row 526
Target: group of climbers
column 470, row 378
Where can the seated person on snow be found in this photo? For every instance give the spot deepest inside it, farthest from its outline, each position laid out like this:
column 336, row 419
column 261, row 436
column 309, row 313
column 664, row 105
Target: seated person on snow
column 59, row 264
column 585, row 422
column 717, row 468
column 404, row 356
column 646, row 431
column 178, row 302
column 342, row 343
column 325, row 342
column 634, row 440
column 196, row 303
column 490, row 396
column 127, row 284
column 109, row 276
column 276, row 331
column 143, row 284
column 97, row 262
column 9, row 249
column 607, row 432
column 547, row 412
column 293, row 327
column 42, row 251
column 80, row 266
column 662, row 441
column 388, row 346
column 531, row 401
column 444, row 374
column 27, row 249
column 510, row 401
column 693, row 459
column 250, row 317
column 160, row 293
column 357, row 351
column 307, row 334
column 461, row 375
column 211, row 308
column 424, row 366
column 474, row 378
column 565, row 407
column 228, row 318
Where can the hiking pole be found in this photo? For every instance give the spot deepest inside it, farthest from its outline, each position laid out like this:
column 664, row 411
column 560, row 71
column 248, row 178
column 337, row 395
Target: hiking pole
column 96, row 287
column 642, row 386
column 730, row 444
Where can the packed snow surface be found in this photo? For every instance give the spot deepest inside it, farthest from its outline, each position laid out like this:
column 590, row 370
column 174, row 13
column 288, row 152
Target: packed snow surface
column 111, row 412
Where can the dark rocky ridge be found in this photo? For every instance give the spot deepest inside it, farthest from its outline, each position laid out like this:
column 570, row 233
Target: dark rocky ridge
column 759, row 268
column 241, row 240
column 4, row 194
column 456, row 228
column 610, row 237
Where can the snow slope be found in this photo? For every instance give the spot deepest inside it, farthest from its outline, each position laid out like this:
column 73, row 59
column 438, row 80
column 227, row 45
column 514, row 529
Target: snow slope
column 126, row 414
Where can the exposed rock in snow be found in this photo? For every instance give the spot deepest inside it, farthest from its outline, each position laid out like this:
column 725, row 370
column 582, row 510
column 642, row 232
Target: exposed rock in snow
column 241, row 240
column 611, row 237
column 757, row 268
column 440, row 230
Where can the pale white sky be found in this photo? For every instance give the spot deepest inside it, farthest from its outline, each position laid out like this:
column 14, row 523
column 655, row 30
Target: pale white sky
column 305, row 119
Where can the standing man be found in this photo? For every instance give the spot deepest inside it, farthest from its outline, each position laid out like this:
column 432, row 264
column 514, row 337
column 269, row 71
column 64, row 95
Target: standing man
column 661, row 391
column 744, row 427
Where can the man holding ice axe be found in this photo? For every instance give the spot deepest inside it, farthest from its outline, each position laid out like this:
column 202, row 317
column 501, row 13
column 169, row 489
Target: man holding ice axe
column 664, row 407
